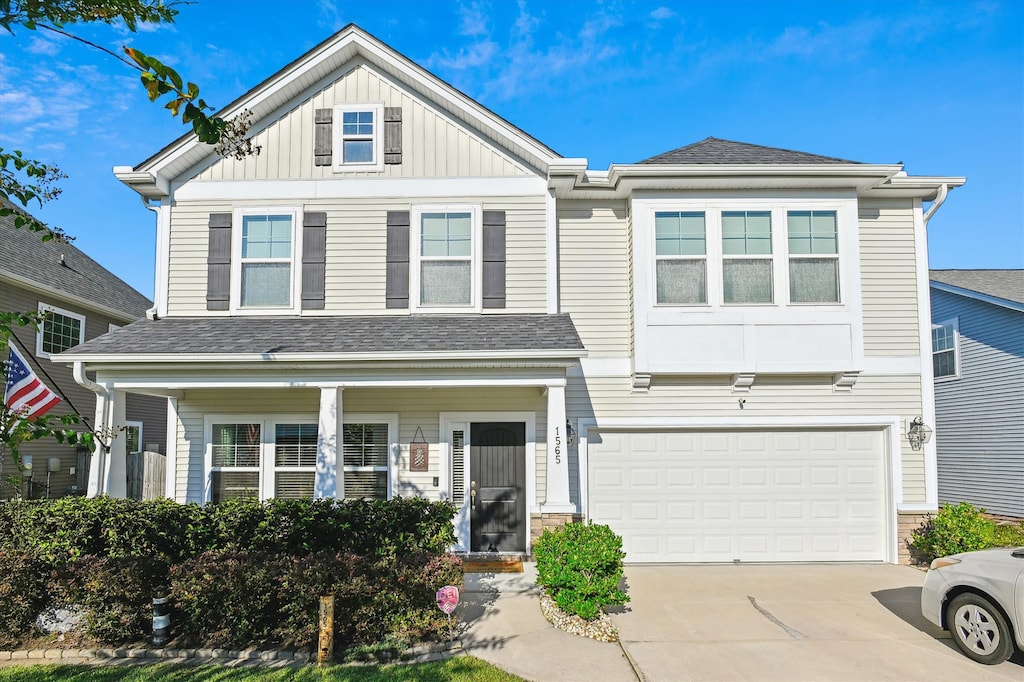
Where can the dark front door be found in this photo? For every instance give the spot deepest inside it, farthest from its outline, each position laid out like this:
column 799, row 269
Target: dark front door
column 497, row 466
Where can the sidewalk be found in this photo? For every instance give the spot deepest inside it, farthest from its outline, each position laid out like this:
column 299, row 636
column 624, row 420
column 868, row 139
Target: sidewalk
column 506, row 628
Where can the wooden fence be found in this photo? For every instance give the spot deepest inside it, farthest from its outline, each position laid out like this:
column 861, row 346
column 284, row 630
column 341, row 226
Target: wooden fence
column 147, row 473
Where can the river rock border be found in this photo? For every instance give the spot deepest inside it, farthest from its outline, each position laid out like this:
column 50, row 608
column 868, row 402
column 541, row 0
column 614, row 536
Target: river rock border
column 602, row 629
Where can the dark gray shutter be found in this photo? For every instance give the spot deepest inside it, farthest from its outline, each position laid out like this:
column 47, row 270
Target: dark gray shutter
column 323, row 145
column 398, row 260
column 218, row 263
column 494, row 259
column 392, row 135
column 314, row 259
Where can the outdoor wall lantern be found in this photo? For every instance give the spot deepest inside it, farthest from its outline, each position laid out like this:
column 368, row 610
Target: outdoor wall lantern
column 570, row 434
column 918, row 434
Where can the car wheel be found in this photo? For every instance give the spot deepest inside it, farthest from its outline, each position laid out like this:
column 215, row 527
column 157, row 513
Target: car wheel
column 979, row 629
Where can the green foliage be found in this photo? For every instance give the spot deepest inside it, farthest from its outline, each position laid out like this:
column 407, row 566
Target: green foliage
column 22, row 593
column 26, row 181
column 244, row 572
column 1007, row 535
column 581, row 568
column 956, row 528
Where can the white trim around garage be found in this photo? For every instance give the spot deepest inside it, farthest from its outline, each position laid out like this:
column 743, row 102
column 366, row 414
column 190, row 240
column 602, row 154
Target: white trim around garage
column 924, row 323
column 893, row 451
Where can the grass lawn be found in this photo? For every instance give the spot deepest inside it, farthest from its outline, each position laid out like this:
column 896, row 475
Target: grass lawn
column 452, row 670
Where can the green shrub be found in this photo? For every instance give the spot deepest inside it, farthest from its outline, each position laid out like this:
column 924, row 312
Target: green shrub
column 956, row 528
column 581, row 568
column 22, row 593
column 116, row 593
column 1008, row 535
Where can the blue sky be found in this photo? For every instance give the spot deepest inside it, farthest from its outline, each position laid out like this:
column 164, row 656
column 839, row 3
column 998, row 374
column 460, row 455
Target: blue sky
column 937, row 85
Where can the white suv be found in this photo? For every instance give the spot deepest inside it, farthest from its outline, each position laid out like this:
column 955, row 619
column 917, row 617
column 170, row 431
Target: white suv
column 979, row 598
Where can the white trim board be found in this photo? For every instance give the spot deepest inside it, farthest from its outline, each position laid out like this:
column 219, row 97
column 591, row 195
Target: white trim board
column 402, row 189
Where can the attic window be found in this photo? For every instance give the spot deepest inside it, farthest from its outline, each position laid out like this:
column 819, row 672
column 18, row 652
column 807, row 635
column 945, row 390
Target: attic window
column 358, row 136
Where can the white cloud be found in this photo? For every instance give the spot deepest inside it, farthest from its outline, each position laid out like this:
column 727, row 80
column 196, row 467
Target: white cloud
column 662, row 13
column 43, row 46
column 330, row 17
column 473, row 20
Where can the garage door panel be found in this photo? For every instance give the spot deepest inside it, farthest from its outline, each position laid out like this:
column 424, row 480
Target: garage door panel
column 751, row 496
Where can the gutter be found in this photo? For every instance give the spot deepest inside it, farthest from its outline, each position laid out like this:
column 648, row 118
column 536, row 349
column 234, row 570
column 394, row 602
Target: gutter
column 78, row 371
column 151, row 314
column 940, row 198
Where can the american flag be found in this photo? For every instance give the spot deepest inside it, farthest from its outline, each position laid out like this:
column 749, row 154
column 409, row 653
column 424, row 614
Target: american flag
column 25, row 393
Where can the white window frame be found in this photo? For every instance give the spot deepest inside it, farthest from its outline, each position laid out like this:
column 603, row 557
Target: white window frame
column 111, row 327
column 393, row 450
column 45, row 308
column 270, row 470
column 208, row 467
column 475, row 304
column 955, row 324
column 133, row 425
column 681, row 257
column 779, row 208
column 338, row 137
column 295, row 261
column 767, row 257
column 814, row 256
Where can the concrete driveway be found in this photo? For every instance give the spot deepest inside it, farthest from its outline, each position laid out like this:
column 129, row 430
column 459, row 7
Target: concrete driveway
column 743, row 622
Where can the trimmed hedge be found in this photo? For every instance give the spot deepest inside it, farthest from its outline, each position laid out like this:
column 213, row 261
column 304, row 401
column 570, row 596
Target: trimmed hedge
column 580, row 565
column 242, row 573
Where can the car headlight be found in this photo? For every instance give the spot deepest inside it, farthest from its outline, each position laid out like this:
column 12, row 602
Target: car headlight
column 942, row 562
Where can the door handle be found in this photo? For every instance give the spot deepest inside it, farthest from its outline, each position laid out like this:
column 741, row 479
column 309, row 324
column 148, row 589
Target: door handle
column 472, row 493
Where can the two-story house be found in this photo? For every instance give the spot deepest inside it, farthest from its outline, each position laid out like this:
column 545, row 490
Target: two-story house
column 79, row 300
column 716, row 351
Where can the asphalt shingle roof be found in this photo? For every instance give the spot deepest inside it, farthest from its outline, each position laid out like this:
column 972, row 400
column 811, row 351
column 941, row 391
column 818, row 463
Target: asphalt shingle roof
column 351, row 334
column 1005, row 284
column 714, row 150
column 24, row 255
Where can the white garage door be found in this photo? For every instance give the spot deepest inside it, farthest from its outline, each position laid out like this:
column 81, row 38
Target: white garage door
column 779, row 495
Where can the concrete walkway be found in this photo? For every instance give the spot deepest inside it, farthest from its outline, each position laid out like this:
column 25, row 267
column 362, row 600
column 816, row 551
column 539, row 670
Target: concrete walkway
column 747, row 622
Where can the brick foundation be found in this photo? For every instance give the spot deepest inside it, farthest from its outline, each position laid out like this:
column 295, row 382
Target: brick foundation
column 539, row 522
column 906, row 524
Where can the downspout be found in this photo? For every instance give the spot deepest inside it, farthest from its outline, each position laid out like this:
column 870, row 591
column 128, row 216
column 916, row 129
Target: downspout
column 151, row 314
column 78, row 371
column 940, row 197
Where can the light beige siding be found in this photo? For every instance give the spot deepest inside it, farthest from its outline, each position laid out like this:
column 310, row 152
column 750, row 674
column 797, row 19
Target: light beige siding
column 610, row 398
column 889, row 277
column 595, row 261
column 433, row 145
column 357, row 249
column 416, row 408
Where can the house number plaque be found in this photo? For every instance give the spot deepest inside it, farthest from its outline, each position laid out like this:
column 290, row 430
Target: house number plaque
column 419, row 456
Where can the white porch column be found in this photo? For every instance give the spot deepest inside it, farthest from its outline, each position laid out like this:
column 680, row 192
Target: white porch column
column 328, row 482
column 557, row 501
column 171, row 448
column 116, row 474
column 98, row 460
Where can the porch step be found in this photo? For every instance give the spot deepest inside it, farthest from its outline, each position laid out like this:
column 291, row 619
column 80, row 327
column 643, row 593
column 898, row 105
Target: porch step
column 491, row 562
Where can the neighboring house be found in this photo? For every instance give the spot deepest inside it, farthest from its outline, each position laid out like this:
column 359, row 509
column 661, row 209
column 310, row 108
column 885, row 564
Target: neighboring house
column 83, row 301
column 716, row 351
column 978, row 359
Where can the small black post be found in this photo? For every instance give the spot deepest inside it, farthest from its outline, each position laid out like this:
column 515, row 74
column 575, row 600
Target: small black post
column 161, row 617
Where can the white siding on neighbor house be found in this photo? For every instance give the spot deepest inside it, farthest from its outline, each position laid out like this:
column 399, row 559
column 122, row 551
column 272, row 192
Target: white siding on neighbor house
column 594, row 261
column 889, row 277
column 608, row 399
column 416, row 408
column 979, row 417
column 357, row 249
column 433, row 145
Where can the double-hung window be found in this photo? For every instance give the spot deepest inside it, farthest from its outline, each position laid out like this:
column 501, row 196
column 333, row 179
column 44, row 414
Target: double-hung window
column 295, row 448
column 358, row 137
column 366, row 456
column 59, row 331
column 813, row 257
column 133, row 437
column 681, row 255
column 446, row 246
column 945, row 338
column 747, row 256
column 235, row 453
column 266, row 271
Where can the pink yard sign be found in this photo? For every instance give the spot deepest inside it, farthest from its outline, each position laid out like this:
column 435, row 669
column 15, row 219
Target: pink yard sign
column 448, row 599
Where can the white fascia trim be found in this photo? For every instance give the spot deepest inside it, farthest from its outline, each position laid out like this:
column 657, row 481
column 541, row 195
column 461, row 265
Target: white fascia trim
column 551, row 248
column 977, row 296
column 133, row 384
column 305, row 358
column 146, row 183
column 386, row 188
column 71, row 299
column 924, row 323
column 869, row 175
